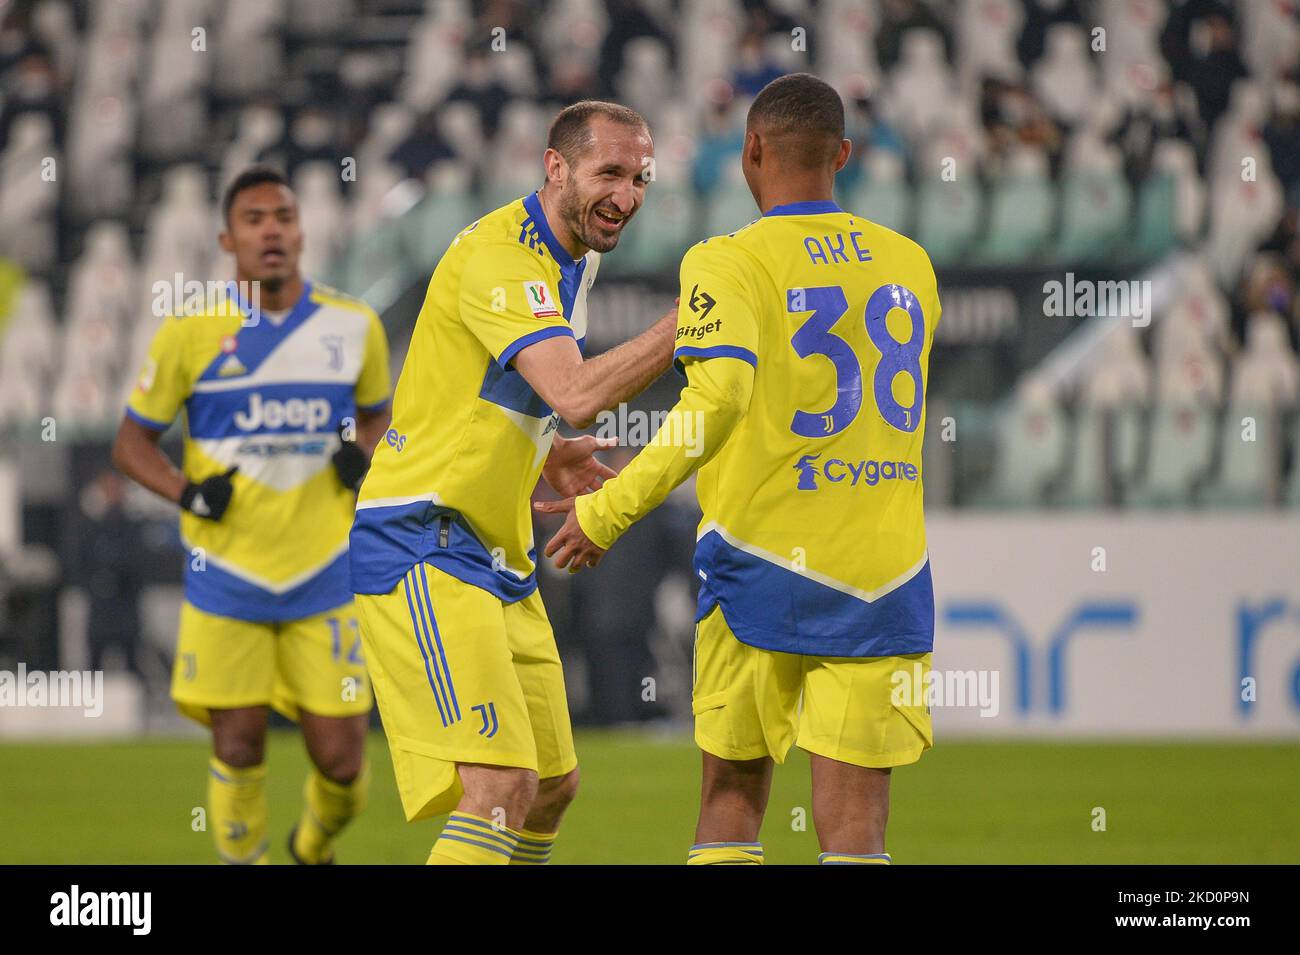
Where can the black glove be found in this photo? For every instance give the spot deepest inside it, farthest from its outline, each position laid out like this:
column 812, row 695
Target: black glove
column 210, row 497
column 350, row 463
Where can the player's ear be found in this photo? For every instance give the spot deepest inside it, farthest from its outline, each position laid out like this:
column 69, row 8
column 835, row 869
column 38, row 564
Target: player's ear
column 557, row 169
column 753, row 148
column 846, row 149
column 225, row 241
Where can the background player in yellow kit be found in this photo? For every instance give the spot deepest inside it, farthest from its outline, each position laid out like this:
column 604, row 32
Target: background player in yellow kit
column 462, row 656
column 805, row 338
column 284, row 398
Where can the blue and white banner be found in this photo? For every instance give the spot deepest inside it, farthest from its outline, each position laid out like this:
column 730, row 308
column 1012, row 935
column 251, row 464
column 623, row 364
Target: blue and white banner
column 1141, row 625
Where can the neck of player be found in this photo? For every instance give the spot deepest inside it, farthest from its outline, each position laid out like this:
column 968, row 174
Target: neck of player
column 796, row 185
column 563, row 234
column 275, row 295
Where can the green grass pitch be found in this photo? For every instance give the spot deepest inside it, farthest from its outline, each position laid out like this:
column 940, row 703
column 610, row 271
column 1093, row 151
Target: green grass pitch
column 963, row 803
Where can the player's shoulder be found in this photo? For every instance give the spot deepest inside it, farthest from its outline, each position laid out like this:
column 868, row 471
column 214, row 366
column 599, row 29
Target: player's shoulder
column 506, row 237
column 898, row 245
column 326, row 295
column 727, row 251
column 199, row 312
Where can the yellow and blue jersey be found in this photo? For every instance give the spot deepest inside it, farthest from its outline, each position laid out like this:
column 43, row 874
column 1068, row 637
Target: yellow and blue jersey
column 813, row 536
column 269, row 397
column 450, row 484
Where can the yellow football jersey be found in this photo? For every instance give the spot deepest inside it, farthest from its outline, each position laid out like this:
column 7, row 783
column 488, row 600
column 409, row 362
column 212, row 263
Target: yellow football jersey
column 813, row 537
column 269, row 397
column 450, row 483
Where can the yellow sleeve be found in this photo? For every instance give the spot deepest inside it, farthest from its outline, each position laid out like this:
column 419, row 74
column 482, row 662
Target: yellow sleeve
column 715, row 315
column 165, row 380
column 508, row 301
column 709, row 408
column 374, row 384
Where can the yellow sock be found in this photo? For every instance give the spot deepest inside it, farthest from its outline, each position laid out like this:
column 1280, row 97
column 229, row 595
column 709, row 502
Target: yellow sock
column 328, row 807
column 726, row 853
column 472, row 840
column 534, row 848
column 237, row 807
column 848, row 858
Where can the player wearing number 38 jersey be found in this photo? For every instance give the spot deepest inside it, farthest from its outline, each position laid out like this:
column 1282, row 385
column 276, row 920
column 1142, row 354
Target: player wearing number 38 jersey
column 805, row 338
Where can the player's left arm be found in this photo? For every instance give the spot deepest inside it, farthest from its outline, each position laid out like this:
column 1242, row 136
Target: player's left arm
column 374, row 410
column 717, row 347
column 711, row 405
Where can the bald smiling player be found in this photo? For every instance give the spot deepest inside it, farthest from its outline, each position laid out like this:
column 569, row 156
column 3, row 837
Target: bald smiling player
column 463, row 660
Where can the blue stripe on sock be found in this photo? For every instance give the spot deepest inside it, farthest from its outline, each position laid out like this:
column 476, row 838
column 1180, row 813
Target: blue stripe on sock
column 479, row 834
column 475, row 842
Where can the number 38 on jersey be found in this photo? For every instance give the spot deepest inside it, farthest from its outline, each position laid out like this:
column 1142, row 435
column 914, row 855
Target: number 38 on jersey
column 828, row 305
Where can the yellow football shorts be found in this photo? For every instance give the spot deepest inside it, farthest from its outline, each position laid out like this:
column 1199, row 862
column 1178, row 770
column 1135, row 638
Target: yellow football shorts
column 313, row 664
column 750, row 703
column 462, row 677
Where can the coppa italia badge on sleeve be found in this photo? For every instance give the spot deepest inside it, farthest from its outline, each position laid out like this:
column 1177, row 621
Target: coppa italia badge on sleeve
column 540, row 301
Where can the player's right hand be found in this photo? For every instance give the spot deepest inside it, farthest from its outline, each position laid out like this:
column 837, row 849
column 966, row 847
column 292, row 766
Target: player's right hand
column 210, row 497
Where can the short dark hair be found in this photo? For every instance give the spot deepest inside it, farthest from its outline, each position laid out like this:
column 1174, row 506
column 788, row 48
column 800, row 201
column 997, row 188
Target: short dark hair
column 250, row 177
column 803, row 114
column 570, row 133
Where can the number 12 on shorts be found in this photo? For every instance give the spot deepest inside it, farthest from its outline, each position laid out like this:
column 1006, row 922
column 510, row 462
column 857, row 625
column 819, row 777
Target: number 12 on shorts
column 336, row 640
column 814, row 337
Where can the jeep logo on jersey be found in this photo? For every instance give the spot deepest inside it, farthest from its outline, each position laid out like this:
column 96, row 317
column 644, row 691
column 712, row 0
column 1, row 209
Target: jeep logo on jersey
column 540, row 301
column 310, row 414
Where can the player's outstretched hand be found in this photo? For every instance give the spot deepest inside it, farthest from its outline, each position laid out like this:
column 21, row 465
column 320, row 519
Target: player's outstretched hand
column 571, row 468
column 211, row 496
column 570, row 547
column 350, row 462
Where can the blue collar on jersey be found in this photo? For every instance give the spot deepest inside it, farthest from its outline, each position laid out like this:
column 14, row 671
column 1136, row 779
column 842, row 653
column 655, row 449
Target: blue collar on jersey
column 814, row 207
column 533, row 206
column 253, row 343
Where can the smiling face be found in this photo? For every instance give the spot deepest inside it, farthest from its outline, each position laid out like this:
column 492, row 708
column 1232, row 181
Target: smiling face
column 264, row 234
column 600, row 191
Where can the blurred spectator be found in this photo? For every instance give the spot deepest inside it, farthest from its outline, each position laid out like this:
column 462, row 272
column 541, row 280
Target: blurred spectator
column 311, row 137
column 422, row 148
column 30, row 86
column 1013, row 118
column 1040, row 17
column 1148, row 122
column 900, row 16
column 1282, row 134
column 480, row 87
column 1268, row 287
column 628, row 19
column 720, row 141
column 110, row 548
column 870, row 132
column 1200, row 43
column 614, row 610
column 754, row 68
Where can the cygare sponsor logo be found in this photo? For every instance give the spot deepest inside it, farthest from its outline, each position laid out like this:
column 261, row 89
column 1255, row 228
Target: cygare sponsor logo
column 62, row 688
column 74, row 907
column 867, row 473
column 308, row 414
